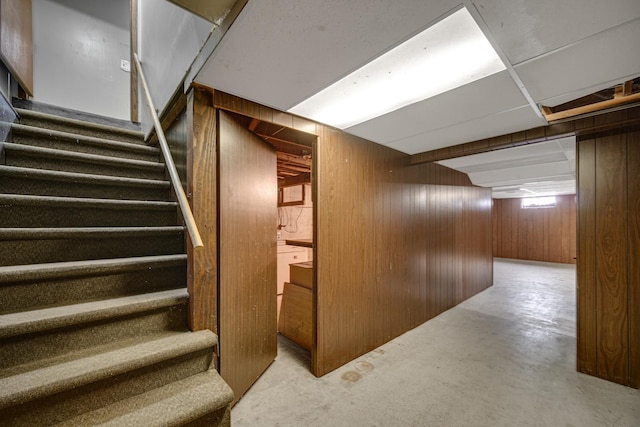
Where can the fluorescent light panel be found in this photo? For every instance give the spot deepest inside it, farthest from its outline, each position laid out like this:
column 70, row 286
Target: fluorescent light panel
column 449, row 54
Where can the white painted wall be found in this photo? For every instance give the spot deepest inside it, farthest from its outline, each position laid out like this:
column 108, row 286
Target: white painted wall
column 169, row 39
column 77, row 48
column 297, row 221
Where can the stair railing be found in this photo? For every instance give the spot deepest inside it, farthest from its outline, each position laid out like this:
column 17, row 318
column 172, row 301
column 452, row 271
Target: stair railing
column 183, row 202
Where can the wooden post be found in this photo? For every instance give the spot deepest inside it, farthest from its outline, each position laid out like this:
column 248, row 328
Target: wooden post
column 202, row 275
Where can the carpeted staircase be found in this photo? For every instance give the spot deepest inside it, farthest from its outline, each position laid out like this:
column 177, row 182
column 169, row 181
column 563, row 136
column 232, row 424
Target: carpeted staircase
column 93, row 299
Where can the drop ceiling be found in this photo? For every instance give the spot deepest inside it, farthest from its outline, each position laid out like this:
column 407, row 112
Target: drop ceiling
column 280, row 52
column 536, row 170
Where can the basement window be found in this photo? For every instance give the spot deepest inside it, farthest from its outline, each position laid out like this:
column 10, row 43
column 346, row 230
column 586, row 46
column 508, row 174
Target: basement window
column 539, row 202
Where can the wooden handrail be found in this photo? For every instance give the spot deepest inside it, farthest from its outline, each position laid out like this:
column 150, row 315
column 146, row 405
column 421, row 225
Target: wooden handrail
column 173, row 173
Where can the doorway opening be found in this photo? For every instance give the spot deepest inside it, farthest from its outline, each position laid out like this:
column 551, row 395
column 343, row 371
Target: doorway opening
column 293, row 235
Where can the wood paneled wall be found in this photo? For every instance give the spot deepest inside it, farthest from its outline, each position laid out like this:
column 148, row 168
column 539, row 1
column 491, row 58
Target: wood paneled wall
column 395, row 245
column 547, row 234
column 608, row 254
column 16, row 41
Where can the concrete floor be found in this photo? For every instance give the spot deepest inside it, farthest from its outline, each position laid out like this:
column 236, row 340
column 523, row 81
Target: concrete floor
column 505, row 357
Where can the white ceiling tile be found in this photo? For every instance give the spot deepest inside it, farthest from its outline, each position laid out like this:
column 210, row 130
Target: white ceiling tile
column 483, row 97
column 556, row 187
column 545, row 167
column 279, row 52
column 522, row 174
column 564, row 147
column 593, row 62
column 526, row 29
column 495, row 165
column 484, row 127
column 570, row 96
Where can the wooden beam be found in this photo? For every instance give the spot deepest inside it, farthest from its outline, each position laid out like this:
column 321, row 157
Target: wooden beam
column 283, row 174
column 296, row 170
column 285, row 162
column 546, row 110
column 616, row 101
column 618, row 92
column 286, row 157
column 284, row 141
column 202, row 269
column 303, row 178
column 254, row 124
column 627, row 88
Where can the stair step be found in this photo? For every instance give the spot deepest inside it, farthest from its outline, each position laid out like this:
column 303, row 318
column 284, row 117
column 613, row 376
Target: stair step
column 178, row 403
column 51, row 159
column 21, row 246
column 19, row 180
column 53, row 211
column 86, row 268
column 26, row 287
column 48, row 138
column 59, row 392
column 84, row 232
column 54, row 120
column 58, row 317
column 33, row 385
column 45, row 336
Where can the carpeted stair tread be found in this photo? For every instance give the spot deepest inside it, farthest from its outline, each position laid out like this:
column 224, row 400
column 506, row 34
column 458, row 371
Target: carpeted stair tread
column 87, row 268
column 34, row 363
column 175, row 404
column 27, row 322
column 85, row 232
column 83, row 202
column 81, row 178
column 46, row 381
column 81, row 157
column 41, row 116
column 19, row 129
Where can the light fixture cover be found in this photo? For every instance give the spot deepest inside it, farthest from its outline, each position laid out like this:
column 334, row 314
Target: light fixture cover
column 449, row 54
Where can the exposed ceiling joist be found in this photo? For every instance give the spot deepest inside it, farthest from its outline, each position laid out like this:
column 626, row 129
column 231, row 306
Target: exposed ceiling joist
column 303, row 178
column 270, row 138
column 293, row 147
column 290, row 158
column 623, row 94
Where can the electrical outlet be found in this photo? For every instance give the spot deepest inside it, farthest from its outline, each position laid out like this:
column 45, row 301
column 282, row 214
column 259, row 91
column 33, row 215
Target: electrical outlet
column 125, row 65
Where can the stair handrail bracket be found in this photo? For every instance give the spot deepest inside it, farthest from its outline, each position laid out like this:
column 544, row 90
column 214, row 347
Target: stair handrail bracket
column 183, row 202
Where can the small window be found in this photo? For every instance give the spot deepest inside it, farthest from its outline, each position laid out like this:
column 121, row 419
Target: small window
column 539, row 202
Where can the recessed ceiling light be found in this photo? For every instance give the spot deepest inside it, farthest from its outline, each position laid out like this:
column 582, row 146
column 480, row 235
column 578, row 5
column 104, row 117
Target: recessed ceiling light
column 449, row 54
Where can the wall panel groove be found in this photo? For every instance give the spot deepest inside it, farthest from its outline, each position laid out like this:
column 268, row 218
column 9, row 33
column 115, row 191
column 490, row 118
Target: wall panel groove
column 633, row 256
column 608, row 272
column 586, row 268
column 547, row 234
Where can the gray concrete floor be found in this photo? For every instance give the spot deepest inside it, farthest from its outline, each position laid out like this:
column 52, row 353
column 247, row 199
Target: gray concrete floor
column 505, row 357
